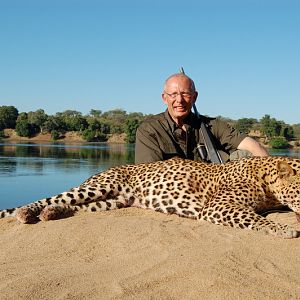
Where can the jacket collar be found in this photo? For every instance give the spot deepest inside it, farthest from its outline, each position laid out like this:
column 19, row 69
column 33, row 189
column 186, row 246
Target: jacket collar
column 190, row 121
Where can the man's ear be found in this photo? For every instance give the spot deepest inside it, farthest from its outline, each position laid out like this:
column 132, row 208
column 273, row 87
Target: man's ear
column 195, row 96
column 164, row 97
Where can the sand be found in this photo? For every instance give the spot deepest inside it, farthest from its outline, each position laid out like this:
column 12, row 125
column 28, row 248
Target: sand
column 140, row 254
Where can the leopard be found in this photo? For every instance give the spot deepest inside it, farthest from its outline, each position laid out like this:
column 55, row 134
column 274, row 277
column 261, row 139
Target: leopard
column 235, row 194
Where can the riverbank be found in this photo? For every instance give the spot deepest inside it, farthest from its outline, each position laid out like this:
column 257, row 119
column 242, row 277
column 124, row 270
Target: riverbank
column 74, row 137
column 69, row 137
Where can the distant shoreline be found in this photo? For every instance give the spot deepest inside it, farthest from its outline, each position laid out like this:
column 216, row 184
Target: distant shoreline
column 71, row 137
column 74, row 137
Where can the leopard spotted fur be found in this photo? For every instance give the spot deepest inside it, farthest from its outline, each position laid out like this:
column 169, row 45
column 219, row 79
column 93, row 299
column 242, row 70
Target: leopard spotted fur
column 234, row 194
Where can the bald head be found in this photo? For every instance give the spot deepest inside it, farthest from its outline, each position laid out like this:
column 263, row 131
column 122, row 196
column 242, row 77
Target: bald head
column 180, row 77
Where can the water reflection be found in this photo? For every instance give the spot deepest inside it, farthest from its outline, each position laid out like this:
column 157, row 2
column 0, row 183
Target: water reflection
column 285, row 152
column 104, row 151
column 32, row 171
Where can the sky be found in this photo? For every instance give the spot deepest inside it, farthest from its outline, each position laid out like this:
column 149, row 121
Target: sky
column 86, row 54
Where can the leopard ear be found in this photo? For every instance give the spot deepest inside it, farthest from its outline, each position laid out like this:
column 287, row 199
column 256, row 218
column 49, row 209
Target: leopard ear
column 284, row 170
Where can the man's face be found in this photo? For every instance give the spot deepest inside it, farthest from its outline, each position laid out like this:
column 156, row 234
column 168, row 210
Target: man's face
column 179, row 97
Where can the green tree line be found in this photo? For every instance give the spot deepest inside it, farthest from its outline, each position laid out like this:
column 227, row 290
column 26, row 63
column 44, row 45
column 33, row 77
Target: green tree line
column 97, row 125
column 276, row 133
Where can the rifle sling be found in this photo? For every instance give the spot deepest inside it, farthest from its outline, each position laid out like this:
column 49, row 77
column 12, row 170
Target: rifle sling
column 211, row 150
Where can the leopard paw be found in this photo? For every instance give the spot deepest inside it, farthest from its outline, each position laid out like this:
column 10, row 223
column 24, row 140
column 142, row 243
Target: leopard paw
column 55, row 212
column 286, row 233
column 290, row 234
column 26, row 215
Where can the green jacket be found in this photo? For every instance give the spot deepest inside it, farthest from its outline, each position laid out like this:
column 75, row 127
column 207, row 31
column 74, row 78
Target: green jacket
column 159, row 138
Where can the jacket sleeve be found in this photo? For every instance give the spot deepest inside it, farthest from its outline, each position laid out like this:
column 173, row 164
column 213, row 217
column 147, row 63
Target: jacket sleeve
column 146, row 145
column 228, row 136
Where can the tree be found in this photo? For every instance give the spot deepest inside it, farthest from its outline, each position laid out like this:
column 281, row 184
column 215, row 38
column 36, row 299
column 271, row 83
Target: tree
column 270, row 126
column 94, row 124
column 296, row 130
column 95, row 113
column 96, row 130
column 130, row 129
column 115, row 113
column 8, row 117
column 37, row 118
column 116, row 120
column 70, row 113
column 244, row 125
column 89, row 135
column 76, row 123
column 54, row 123
column 287, row 131
column 23, row 127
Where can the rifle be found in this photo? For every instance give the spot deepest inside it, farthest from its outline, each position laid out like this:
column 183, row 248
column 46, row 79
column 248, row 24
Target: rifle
column 212, row 152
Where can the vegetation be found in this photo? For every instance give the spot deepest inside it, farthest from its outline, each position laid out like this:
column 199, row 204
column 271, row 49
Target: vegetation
column 23, row 127
column 98, row 125
column 55, row 135
column 273, row 128
column 245, row 124
column 296, row 129
column 279, row 143
column 8, row 117
column 94, row 127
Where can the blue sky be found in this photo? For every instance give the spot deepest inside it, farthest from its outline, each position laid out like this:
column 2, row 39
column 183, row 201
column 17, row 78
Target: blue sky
column 87, row 54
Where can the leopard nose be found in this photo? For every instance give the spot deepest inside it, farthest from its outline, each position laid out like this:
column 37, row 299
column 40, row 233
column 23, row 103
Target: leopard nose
column 298, row 217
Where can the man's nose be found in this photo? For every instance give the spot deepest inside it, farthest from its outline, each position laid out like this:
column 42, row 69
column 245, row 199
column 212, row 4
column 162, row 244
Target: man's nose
column 179, row 99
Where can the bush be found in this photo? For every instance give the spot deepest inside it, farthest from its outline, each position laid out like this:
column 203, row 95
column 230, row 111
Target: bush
column 23, row 128
column 279, row 143
column 88, row 135
column 130, row 129
column 101, row 137
column 55, row 135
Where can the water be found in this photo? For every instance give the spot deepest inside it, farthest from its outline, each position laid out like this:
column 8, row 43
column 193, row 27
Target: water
column 285, row 152
column 29, row 172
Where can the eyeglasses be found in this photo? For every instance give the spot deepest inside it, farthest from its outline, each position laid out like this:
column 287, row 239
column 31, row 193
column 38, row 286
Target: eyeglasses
column 185, row 95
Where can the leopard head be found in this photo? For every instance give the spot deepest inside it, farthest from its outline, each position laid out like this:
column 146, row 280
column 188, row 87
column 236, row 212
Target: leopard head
column 288, row 187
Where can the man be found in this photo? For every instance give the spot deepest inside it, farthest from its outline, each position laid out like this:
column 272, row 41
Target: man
column 176, row 132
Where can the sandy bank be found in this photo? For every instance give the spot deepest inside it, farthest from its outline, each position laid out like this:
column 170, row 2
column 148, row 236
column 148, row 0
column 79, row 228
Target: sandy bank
column 139, row 254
